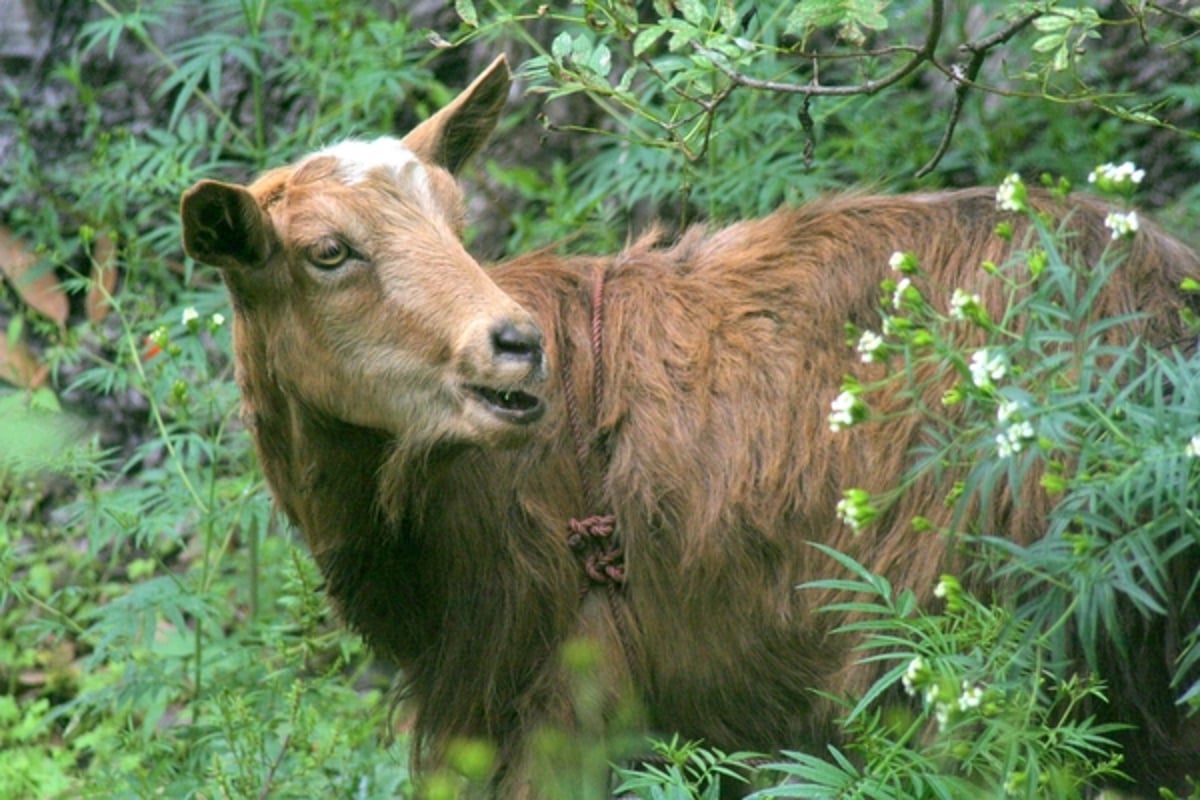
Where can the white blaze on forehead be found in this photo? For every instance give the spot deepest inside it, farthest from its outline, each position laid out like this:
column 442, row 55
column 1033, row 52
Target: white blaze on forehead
column 358, row 158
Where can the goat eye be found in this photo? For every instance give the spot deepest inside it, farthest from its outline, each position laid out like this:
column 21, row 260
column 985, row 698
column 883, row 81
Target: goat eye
column 328, row 253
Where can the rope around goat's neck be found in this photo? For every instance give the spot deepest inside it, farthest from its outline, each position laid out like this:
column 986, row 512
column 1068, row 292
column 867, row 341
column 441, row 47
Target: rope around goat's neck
column 593, row 538
column 579, row 432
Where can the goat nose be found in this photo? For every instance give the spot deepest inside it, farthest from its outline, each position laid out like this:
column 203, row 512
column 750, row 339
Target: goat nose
column 522, row 343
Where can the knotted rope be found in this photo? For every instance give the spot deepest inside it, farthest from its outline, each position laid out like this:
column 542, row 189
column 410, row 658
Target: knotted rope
column 593, row 538
column 603, row 557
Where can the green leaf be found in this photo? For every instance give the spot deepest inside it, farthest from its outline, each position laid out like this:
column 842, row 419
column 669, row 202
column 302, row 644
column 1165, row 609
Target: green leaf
column 868, row 13
column 693, row 11
column 560, row 48
column 887, row 681
column 626, row 79
column 1062, row 60
column 600, row 60
column 847, row 15
column 581, row 50
column 646, row 39
column 1052, row 22
column 466, row 12
column 730, row 19
column 681, row 38
column 1049, row 42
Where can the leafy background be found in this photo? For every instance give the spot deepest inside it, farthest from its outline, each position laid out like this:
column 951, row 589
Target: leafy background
column 164, row 634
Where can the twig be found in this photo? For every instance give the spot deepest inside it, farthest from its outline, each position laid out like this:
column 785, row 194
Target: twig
column 1001, row 36
column 1173, row 14
column 806, row 123
column 707, row 109
column 964, row 79
column 813, row 89
column 270, row 780
column 207, row 100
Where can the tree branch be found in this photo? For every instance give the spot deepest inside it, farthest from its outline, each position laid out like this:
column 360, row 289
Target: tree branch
column 964, row 78
column 813, row 89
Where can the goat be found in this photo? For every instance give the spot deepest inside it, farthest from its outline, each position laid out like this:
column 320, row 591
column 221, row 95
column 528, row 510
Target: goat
column 435, row 428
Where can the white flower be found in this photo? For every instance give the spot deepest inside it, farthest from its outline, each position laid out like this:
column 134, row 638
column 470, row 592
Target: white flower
column 218, row 319
column 1019, row 431
column 905, row 263
column 855, row 509
column 847, row 410
column 898, row 295
column 1193, row 447
column 847, row 513
column 961, row 302
column 987, row 368
column 190, row 315
column 941, row 713
column 1011, row 195
column 1117, row 176
column 913, row 675
column 1011, row 440
column 870, row 346
column 971, row 697
column 1122, row 223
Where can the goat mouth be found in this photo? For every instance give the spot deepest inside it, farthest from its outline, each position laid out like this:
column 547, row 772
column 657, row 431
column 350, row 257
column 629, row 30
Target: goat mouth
column 511, row 405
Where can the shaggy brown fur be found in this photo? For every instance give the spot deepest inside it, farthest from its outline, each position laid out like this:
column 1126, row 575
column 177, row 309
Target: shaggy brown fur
column 359, row 320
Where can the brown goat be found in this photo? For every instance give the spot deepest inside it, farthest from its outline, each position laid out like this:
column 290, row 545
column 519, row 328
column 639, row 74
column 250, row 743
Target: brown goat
column 433, row 428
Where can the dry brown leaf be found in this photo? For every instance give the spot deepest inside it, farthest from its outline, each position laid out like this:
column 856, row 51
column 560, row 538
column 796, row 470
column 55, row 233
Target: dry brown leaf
column 40, row 291
column 104, row 278
column 19, row 366
column 31, row 679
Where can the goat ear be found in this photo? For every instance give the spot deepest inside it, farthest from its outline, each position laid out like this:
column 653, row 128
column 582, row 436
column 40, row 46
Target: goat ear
column 224, row 226
column 454, row 134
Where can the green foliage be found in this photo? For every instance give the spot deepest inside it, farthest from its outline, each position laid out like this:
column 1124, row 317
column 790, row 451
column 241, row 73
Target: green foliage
column 1106, row 428
column 680, row 770
column 723, row 110
column 993, row 716
column 162, row 636
column 847, row 17
column 170, row 640
column 1107, row 432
